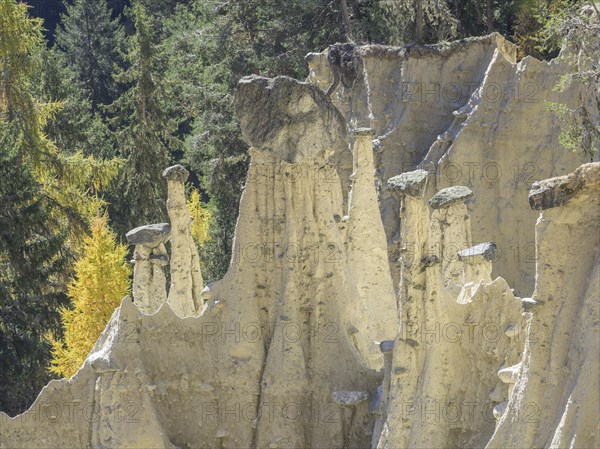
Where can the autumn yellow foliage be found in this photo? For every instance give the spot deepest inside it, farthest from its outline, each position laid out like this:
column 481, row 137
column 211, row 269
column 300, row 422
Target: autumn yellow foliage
column 102, row 279
column 201, row 217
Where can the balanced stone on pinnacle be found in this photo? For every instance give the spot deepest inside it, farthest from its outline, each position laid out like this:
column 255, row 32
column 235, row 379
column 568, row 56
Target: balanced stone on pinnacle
column 185, row 292
column 411, row 183
column 364, row 132
column 553, row 192
column 291, row 119
column 150, row 256
column 176, row 173
column 150, row 235
column 450, row 196
column 478, row 253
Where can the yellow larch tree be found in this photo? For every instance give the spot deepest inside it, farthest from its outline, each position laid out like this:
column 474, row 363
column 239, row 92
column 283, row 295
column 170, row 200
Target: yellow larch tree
column 201, row 216
column 102, row 279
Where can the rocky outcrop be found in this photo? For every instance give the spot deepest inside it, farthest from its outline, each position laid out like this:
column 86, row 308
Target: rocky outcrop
column 440, row 387
column 185, row 293
column 285, row 349
column 555, row 401
column 149, row 259
column 362, row 306
column 294, row 121
column 469, row 114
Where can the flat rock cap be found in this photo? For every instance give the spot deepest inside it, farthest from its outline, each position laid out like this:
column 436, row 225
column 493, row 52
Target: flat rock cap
column 176, row 173
column 450, row 196
column 558, row 191
column 411, row 183
column 364, row 132
column 292, row 120
column 151, row 235
column 478, row 253
column 553, row 192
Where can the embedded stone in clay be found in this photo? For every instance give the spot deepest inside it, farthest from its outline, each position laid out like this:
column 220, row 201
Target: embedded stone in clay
column 349, row 397
column 386, row 345
column 478, row 253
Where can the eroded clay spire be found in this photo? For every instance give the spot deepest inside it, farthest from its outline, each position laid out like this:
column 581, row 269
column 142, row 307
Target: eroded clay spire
column 186, row 278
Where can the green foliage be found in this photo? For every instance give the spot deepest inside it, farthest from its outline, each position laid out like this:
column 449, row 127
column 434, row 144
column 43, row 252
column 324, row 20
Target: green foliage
column 32, row 267
column 70, row 181
column 574, row 27
column 144, row 132
column 101, row 281
column 47, row 195
column 75, row 127
column 434, row 22
column 90, row 40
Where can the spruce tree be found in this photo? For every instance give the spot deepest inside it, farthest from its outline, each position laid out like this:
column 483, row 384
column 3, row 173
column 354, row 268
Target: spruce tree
column 90, row 41
column 419, row 20
column 71, row 181
column 144, row 132
column 100, row 283
column 32, row 266
column 76, row 127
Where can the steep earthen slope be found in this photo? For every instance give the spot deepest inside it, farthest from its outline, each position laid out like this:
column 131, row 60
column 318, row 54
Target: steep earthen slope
column 470, row 115
column 284, row 352
column 556, row 402
column 313, row 339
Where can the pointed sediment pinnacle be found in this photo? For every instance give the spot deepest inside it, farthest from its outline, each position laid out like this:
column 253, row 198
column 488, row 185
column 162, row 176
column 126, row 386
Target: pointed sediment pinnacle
column 185, row 293
column 449, row 196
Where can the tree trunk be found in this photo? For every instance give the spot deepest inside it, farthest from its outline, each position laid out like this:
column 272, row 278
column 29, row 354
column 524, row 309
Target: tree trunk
column 355, row 9
column 489, row 16
column 418, row 22
column 346, row 26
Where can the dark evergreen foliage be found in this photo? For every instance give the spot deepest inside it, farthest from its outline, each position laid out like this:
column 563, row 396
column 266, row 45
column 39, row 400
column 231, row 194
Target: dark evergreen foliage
column 90, row 41
column 32, row 266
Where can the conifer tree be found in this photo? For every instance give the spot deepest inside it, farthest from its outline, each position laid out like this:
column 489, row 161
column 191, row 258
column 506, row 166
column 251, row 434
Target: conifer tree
column 90, row 41
column 144, row 132
column 201, row 217
column 32, row 266
column 71, row 181
column 76, row 127
column 100, row 283
column 430, row 20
